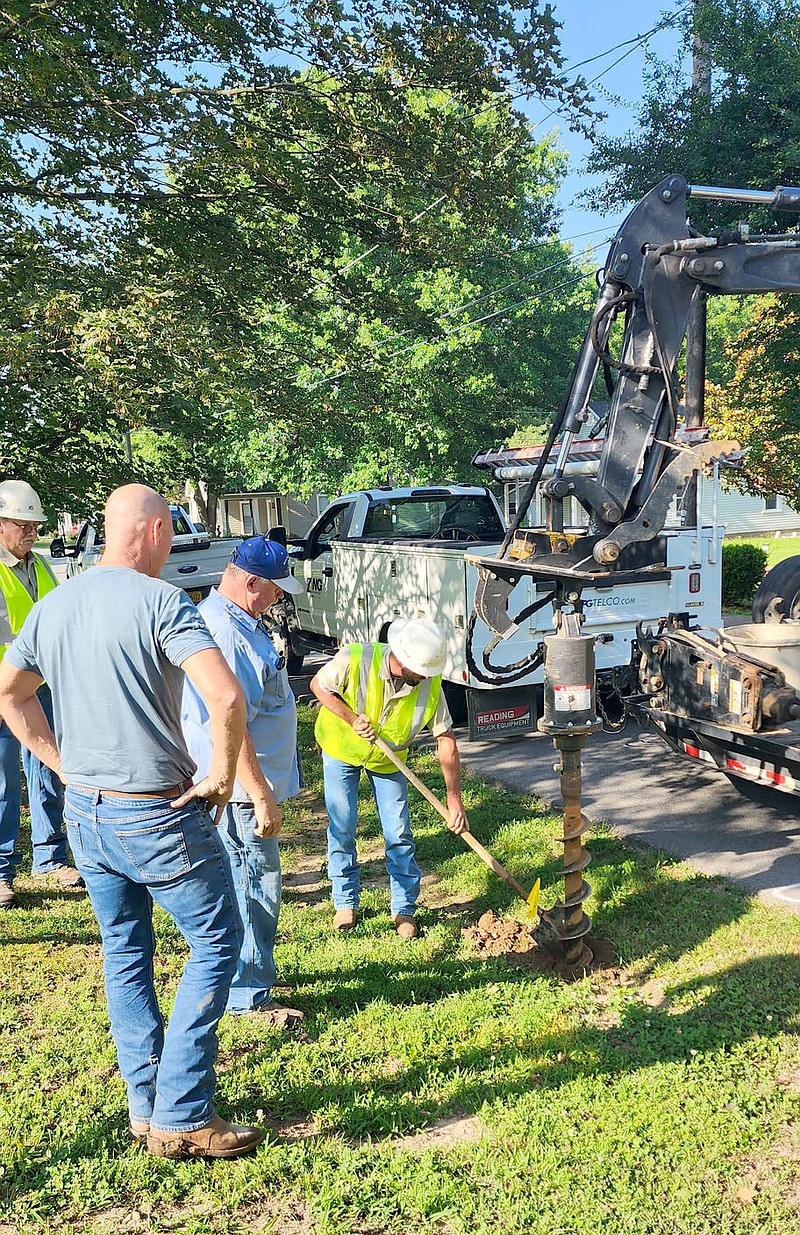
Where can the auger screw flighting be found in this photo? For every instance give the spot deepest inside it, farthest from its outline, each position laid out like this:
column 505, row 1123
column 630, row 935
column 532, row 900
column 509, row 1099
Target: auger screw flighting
column 569, row 717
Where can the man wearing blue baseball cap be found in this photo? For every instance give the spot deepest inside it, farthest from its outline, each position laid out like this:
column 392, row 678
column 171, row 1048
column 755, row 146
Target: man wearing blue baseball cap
column 268, row 770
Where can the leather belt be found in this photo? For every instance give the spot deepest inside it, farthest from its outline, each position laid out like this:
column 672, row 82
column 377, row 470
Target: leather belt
column 174, row 791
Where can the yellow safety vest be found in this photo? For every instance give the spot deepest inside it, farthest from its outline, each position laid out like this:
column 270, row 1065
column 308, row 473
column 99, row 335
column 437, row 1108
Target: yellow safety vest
column 18, row 598
column 364, row 693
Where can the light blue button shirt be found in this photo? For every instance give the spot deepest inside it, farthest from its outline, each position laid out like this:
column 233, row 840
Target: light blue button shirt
column 271, row 708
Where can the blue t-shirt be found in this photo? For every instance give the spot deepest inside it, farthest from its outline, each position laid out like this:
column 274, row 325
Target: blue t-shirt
column 271, row 708
column 109, row 643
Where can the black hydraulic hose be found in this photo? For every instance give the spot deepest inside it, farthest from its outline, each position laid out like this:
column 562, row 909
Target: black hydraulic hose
column 530, row 488
column 500, row 674
column 626, row 298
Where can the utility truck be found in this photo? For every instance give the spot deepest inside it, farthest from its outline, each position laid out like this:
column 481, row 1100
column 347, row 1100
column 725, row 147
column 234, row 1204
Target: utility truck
column 195, row 562
column 380, row 554
column 728, row 697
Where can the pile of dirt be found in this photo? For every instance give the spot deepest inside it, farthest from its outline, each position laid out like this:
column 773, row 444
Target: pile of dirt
column 493, row 936
column 512, row 940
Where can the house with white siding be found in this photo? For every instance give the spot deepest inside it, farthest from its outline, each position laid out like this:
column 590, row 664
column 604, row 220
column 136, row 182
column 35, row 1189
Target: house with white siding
column 254, row 513
column 741, row 514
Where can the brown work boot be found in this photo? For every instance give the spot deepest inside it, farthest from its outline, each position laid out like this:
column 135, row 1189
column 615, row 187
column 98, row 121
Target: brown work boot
column 216, row 1140
column 405, row 925
column 139, row 1128
column 69, row 877
column 277, row 1014
column 344, row 919
column 7, row 895
column 63, row 876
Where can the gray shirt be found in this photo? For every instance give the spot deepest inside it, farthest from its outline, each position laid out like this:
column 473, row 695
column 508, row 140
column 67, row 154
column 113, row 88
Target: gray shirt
column 109, row 644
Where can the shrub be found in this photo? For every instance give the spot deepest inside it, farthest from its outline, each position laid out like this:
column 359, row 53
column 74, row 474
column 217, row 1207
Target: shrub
column 743, row 567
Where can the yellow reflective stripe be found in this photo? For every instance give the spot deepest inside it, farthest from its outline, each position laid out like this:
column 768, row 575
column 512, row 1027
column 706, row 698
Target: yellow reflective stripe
column 420, row 707
column 364, row 693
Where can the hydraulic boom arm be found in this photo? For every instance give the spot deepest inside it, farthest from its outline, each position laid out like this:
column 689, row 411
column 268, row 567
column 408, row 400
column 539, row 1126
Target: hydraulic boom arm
column 655, row 267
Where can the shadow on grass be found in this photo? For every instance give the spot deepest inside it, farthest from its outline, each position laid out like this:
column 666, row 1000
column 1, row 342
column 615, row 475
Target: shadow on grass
column 647, row 913
column 759, row 998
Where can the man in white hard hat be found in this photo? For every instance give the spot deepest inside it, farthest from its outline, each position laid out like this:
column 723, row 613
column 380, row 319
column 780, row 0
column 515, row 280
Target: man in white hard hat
column 392, row 690
column 24, row 578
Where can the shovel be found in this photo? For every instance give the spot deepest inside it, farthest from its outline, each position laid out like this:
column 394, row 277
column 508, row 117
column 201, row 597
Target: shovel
column 531, row 899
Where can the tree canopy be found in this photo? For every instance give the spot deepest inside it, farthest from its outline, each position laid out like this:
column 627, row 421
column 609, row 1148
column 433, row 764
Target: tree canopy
column 759, row 406
column 737, row 124
column 230, row 262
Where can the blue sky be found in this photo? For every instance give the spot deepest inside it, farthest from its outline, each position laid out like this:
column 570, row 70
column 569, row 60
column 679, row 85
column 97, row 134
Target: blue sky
column 589, row 28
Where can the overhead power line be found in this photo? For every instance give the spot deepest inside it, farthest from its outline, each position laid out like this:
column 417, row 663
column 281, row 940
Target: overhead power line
column 495, row 291
column 535, row 295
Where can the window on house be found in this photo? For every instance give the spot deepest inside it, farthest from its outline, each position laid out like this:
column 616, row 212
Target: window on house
column 771, row 503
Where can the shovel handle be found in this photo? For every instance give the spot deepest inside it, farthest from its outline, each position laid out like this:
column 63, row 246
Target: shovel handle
column 467, row 837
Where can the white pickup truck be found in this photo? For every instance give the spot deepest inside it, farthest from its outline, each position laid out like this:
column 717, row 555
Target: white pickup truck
column 385, row 553
column 195, row 562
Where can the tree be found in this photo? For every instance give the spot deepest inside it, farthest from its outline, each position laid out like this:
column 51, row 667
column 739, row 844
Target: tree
column 759, row 407
column 738, row 127
column 104, row 104
column 243, row 342
column 173, row 234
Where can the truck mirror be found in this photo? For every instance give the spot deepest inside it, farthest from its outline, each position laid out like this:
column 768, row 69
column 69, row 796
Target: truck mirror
column 277, row 534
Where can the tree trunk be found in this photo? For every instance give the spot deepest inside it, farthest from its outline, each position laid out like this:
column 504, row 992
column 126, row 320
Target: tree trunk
column 200, row 495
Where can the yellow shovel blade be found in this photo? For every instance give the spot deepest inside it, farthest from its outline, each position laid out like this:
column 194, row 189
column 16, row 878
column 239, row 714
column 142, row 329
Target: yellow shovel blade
column 533, row 900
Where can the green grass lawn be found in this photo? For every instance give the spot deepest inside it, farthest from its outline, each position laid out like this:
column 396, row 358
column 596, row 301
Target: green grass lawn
column 777, row 547
column 433, row 1088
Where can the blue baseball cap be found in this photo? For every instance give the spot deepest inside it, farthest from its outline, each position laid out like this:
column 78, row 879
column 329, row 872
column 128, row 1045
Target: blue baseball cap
column 268, row 560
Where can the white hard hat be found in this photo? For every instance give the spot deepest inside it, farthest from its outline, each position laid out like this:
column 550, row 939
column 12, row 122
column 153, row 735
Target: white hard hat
column 19, row 501
column 418, row 644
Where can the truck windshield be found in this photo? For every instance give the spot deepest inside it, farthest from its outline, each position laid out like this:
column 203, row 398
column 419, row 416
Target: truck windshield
column 439, row 518
column 179, row 525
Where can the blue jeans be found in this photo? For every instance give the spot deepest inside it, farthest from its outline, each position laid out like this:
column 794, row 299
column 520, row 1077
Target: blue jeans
column 46, row 800
column 341, row 803
column 256, row 870
column 129, row 850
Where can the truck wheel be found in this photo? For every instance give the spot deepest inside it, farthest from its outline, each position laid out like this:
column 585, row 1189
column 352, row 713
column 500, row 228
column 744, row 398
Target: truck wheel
column 782, row 585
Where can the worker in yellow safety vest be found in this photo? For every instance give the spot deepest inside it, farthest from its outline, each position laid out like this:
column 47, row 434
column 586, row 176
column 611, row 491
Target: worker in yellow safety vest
column 392, row 690
column 24, row 578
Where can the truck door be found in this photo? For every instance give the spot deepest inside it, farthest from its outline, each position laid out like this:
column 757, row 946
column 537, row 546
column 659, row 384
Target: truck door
column 316, row 607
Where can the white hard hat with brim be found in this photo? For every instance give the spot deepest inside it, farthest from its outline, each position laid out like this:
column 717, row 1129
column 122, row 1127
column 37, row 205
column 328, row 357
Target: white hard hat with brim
column 419, row 645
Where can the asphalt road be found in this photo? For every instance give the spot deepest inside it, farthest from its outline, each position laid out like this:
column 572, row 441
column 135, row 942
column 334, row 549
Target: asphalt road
column 653, row 797
column 633, row 781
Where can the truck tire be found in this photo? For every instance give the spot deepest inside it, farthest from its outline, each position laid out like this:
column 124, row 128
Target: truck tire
column 783, row 582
